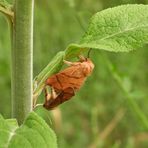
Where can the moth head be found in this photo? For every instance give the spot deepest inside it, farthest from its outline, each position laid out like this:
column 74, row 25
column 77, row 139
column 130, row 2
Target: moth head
column 88, row 67
column 82, row 58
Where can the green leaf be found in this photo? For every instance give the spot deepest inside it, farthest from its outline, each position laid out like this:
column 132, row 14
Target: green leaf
column 6, row 129
column 119, row 29
column 34, row 133
column 12, row 123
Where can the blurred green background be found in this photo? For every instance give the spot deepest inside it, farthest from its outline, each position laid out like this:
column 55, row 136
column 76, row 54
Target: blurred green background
column 99, row 115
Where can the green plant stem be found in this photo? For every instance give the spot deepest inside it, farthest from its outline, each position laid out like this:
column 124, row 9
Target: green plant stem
column 132, row 104
column 22, row 48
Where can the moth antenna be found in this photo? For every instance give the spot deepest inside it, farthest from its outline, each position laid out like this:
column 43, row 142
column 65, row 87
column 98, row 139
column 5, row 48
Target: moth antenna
column 88, row 54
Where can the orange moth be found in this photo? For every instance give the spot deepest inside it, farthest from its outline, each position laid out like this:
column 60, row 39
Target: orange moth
column 65, row 83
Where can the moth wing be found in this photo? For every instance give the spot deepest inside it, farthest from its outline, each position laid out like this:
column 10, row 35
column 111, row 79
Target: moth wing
column 53, row 82
column 75, row 71
column 70, row 77
column 65, row 95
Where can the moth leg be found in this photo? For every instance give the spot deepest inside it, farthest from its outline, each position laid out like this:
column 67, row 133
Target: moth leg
column 53, row 93
column 74, row 91
column 47, row 97
column 47, row 94
column 82, row 58
column 50, row 97
column 70, row 63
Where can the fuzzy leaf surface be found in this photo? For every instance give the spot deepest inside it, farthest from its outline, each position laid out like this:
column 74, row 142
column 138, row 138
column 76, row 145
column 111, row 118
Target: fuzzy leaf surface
column 119, row 29
column 33, row 133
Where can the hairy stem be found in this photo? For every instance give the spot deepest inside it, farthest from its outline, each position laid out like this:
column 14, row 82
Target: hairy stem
column 22, row 48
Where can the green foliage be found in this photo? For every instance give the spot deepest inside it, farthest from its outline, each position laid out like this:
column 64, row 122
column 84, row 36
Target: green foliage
column 33, row 133
column 119, row 29
column 87, row 114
